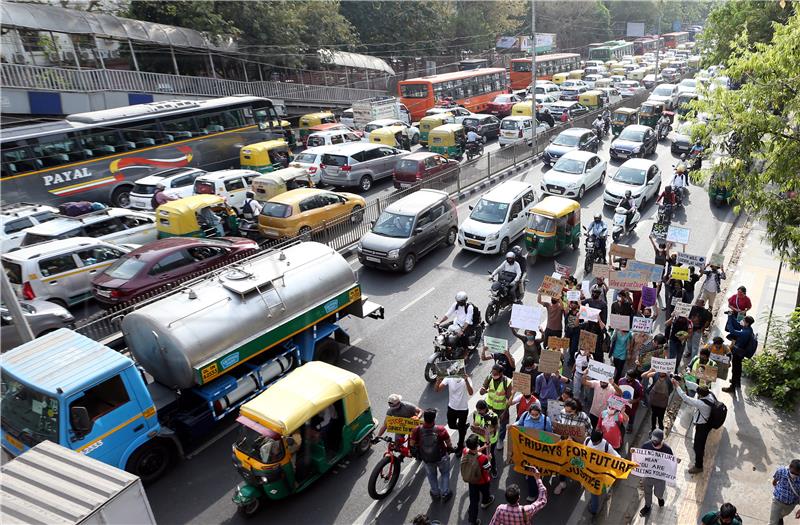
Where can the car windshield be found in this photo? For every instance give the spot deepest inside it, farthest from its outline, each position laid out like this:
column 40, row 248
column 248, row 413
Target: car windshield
column 372, row 127
column 315, row 140
column 632, row 135
column 30, row 415
column 265, row 449
column 489, row 212
column 565, row 139
column 393, row 225
column 276, row 209
column 471, row 123
column 503, row 99
column 125, row 268
column 35, row 238
column 510, row 124
column 144, row 189
column 334, row 160
column 306, row 158
column 565, row 165
column 540, row 223
column 628, row 175
column 663, row 91
column 689, row 82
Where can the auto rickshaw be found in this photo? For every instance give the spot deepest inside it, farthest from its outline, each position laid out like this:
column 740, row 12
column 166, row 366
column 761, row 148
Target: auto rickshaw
column 650, row 112
column 297, row 430
column 388, row 136
column 286, row 128
column 623, row 117
column 719, row 187
column 522, row 109
column 448, row 140
column 314, row 119
column 268, row 185
column 552, row 225
column 265, row 156
column 576, row 74
column 560, row 78
column 196, row 216
column 602, row 83
column 593, row 99
column 433, row 121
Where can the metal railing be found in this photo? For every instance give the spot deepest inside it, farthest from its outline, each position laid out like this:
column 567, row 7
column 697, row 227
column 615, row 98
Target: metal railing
column 94, row 80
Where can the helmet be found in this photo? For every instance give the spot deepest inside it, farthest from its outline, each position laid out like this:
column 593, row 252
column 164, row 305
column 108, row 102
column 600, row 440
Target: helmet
column 517, row 250
column 668, row 189
column 628, row 194
column 696, row 142
column 511, row 255
column 681, row 169
column 683, row 156
column 598, row 217
column 461, row 296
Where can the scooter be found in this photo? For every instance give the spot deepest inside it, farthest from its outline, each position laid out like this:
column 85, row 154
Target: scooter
column 620, row 223
column 663, row 131
column 446, row 348
column 499, row 296
column 474, row 149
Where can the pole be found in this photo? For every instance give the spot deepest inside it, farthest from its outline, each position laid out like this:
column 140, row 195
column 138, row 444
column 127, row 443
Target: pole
column 658, row 48
column 772, row 306
column 534, row 143
column 11, row 302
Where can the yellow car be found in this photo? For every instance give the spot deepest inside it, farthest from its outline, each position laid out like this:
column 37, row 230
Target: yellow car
column 301, row 211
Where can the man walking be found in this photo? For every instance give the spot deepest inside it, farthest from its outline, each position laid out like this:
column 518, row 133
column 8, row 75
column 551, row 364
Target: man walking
column 702, row 404
column 512, row 513
column 459, row 389
column 432, row 443
column 712, row 285
column 475, row 466
column 484, row 424
column 742, row 333
column 597, row 442
column 786, row 494
column 497, row 389
column 651, row 485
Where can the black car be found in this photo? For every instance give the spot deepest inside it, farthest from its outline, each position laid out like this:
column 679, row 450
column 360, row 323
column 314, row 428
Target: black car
column 570, row 140
column 634, row 141
column 487, row 126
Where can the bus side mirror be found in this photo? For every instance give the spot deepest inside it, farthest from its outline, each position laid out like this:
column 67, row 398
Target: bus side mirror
column 79, row 420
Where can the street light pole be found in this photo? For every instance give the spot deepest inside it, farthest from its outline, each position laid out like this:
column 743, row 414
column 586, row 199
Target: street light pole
column 534, row 123
column 658, row 47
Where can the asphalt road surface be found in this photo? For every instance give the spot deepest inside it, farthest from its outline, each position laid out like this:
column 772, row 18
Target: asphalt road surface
column 390, row 355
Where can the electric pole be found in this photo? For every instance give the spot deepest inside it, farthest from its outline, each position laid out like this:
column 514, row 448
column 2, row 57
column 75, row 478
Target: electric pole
column 534, row 122
column 14, row 309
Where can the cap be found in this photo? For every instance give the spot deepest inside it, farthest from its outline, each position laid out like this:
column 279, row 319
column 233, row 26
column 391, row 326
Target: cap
column 657, row 436
column 497, row 367
column 394, row 399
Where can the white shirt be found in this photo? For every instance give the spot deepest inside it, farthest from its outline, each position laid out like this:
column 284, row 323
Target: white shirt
column 512, row 268
column 473, row 137
column 460, row 316
column 457, row 393
column 581, row 362
column 603, row 446
column 702, row 410
column 677, row 181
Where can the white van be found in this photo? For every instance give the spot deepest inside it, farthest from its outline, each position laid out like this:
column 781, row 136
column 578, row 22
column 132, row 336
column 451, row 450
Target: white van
column 497, row 218
column 115, row 225
column 514, row 129
column 60, row 271
column 332, row 137
column 16, row 219
column 178, row 183
column 231, row 185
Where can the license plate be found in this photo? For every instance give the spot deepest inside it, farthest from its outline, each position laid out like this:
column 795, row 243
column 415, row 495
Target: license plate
column 373, row 259
column 472, row 243
column 138, row 203
column 11, row 439
column 104, row 293
column 619, row 220
column 267, row 231
column 621, row 154
column 404, row 186
column 509, row 134
column 556, row 190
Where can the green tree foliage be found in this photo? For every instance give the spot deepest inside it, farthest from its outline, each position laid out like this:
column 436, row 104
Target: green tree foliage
column 576, row 24
column 478, row 24
column 776, row 370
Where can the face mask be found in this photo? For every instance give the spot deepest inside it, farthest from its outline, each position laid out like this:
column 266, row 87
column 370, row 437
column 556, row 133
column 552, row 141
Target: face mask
column 530, row 338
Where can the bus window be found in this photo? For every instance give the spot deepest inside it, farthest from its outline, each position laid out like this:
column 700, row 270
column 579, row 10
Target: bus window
column 105, row 143
column 414, row 90
column 210, row 123
column 56, row 150
column 142, row 134
column 18, row 158
column 180, row 128
column 233, row 118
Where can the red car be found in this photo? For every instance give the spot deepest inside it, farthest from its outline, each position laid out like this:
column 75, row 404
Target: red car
column 165, row 261
column 501, row 105
column 419, row 165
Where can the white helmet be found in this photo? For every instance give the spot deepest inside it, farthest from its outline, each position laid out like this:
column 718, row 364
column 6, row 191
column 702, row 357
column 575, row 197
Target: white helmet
column 461, row 296
column 511, row 255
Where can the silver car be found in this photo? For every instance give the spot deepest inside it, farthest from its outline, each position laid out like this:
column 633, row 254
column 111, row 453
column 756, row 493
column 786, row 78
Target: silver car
column 42, row 317
column 359, row 164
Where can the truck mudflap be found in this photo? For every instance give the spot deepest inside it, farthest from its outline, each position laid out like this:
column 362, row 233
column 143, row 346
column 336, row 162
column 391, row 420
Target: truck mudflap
column 366, row 308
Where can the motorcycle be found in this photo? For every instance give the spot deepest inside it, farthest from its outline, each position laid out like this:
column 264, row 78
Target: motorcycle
column 446, row 347
column 599, row 130
column 474, row 149
column 664, row 214
column 662, row 130
column 592, row 252
column 387, row 471
column 500, row 296
column 620, row 223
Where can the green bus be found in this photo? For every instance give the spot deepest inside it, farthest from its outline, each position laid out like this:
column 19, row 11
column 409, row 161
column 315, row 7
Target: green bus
column 611, row 50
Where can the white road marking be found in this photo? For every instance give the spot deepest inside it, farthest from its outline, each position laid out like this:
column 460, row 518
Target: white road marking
column 469, row 263
column 415, row 301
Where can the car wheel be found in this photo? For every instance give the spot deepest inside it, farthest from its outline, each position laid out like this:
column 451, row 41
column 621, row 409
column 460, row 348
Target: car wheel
column 415, row 139
column 581, row 192
column 121, row 198
column 365, row 183
column 409, row 263
column 644, row 203
column 357, row 215
column 503, row 246
column 452, row 234
column 602, row 178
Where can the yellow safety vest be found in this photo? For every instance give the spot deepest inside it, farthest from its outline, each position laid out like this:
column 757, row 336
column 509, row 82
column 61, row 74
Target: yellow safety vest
column 496, row 395
column 478, row 418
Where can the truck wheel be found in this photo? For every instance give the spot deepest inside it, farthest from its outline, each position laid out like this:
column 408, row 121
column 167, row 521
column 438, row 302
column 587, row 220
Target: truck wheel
column 250, row 509
column 150, row 461
column 121, row 197
column 327, row 351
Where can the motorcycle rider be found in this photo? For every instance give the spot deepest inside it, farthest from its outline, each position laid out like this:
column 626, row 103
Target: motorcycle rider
column 510, row 265
column 668, row 195
column 680, row 182
column 663, row 123
column 523, row 266
column 474, row 141
column 695, row 154
column 629, row 203
column 599, row 229
column 461, row 313
column 599, row 124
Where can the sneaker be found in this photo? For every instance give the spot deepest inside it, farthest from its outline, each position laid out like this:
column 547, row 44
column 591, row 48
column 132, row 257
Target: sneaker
column 560, row 488
column 447, row 497
column 660, row 502
column 695, row 470
column 729, row 389
column 488, row 503
column 644, row 512
column 434, row 495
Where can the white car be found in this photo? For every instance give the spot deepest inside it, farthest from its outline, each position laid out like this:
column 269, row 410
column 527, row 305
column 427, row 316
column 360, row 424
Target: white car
column 114, row 225
column 310, row 159
column 687, row 84
column 591, row 79
column 545, row 101
column 412, row 132
column 15, row 219
column 629, row 88
column 641, row 176
column 458, row 112
column 572, row 84
column 548, row 88
column 573, row 174
column 332, row 137
column 178, row 183
column 666, row 93
column 513, row 129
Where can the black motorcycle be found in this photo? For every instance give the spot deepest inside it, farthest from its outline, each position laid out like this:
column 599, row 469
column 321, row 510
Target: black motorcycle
column 662, row 130
column 664, row 214
column 500, row 296
column 474, row 149
column 592, row 252
column 599, row 130
column 446, row 347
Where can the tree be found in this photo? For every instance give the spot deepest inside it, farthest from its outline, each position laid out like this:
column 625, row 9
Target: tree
column 576, row 24
column 478, row 24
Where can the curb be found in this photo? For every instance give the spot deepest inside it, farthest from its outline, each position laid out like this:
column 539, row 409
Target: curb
column 493, row 179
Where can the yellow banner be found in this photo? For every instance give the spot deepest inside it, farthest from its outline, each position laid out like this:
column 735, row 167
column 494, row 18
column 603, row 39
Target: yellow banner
column 401, row 425
column 593, row 469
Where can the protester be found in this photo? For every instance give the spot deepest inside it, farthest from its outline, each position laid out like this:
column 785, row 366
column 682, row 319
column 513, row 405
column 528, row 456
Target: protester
column 475, row 467
column 612, row 425
column 555, row 318
column 701, row 318
column 571, row 415
column 572, row 330
column 484, row 424
column 497, row 389
column 531, row 345
column 581, row 365
column 621, row 351
column 597, row 442
column 726, row 515
column 623, row 304
column 459, row 390
column 432, row 443
column 742, row 334
column 534, row 419
column 602, row 391
column 702, row 427
column 689, row 285
column 680, row 330
column 529, row 367
column 631, row 380
column 739, row 303
column 786, row 494
column 696, row 370
column 512, row 513
column 717, row 347
column 712, row 285
column 653, row 347
column 651, row 485
column 549, row 386
column 504, row 359
column 658, row 394
column 399, row 409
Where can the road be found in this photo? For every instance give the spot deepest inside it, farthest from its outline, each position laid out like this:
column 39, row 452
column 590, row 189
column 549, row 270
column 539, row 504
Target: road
column 390, row 355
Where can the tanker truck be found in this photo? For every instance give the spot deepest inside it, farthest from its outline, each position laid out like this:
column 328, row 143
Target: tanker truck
column 195, row 357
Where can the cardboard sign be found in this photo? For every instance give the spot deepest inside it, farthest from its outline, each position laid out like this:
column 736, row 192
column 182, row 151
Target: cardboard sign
column 619, row 322
column 587, row 341
column 720, row 359
column 654, row 464
column 675, row 300
column 620, row 250
column 649, row 296
column 576, row 432
column 706, row 373
column 617, row 403
column 628, row 280
column 601, row 270
column 574, row 295
column 554, row 407
column 600, row 371
column 555, row 343
column 400, row 425
column 454, row 368
column 642, row 324
column 678, row 235
column 653, row 270
column 680, row 273
column 588, row 313
column 717, row 259
column 659, row 232
column 586, row 287
column 495, row 344
column 550, row 362
column 698, row 261
column 521, row 382
column 662, row 366
column 525, row 317
column 563, row 269
column 551, row 287
column 682, row 309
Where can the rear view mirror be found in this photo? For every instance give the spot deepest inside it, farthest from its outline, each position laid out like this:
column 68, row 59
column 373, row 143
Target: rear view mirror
column 471, row 207
column 417, row 230
column 79, row 420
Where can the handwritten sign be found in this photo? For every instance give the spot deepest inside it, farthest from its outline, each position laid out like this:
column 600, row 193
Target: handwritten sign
column 554, row 407
column 600, row 371
column 617, row 403
column 550, row 362
column 620, row 250
column 525, row 317
column 554, row 342
column 662, row 366
column 707, row 373
column 588, row 313
column 453, row 368
column 659, row 232
column 721, row 359
column 521, row 382
column 495, row 344
column 698, row 261
column 601, row 270
column 587, row 341
column 576, row 432
column 680, row 273
column 642, row 324
column 628, row 280
column 649, row 296
column 586, row 288
column 655, row 464
column 563, row 269
column 682, row 309
column 678, row 234
column 717, row 259
column 574, row 295
column 551, row 287
column 654, row 270
column 400, row 425
column 619, row 322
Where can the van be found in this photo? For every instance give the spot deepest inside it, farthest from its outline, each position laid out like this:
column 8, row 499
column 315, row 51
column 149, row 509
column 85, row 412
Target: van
column 412, row 169
column 311, row 160
column 16, row 219
column 498, row 218
column 332, row 137
column 548, row 88
column 115, row 225
column 231, row 185
column 513, row 129
column 178, row 183
column 408, row 229
column 60, row 271
column 359, row 164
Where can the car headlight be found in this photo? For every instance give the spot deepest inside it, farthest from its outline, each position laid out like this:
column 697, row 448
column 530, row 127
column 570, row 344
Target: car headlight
column 393, row 254
column 492, row 236
column 66, row 317
column 636, row 149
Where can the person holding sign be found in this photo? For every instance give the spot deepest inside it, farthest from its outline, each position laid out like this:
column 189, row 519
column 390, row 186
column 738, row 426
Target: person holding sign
column 651, row 485
column 399, row 409
column 534, row 419
column 680, row 330
column 531, row 346
column 484, row 424
column 612, row 425
column 631, row 380
column 712, row 285
column 602, row 391
column 555, row 317
column 504, row 359
column 571, row 416
column 458, row 392
column 621, row 351
column 512, row 513
column 549, row 386
column 572, row 330
column 497, row 389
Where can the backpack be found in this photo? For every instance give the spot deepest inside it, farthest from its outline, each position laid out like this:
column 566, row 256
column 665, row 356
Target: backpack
column 752, row 346
column 471, row 471
column 430, row 451
column 718, row 413
column 476, row 315
column 247, row 209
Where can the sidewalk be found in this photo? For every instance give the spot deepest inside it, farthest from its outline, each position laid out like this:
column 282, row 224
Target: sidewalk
column 756, row 439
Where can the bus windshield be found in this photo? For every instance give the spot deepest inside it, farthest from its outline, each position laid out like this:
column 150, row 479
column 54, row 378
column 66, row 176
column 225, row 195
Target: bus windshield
column 28, row 414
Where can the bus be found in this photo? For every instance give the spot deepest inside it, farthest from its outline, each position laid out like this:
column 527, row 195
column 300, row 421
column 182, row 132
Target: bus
column 648, row 44
column 546, row 67
column 97, row 156
column 473, row 89
column 473, row 63
column 672, row 40
column 611, row 50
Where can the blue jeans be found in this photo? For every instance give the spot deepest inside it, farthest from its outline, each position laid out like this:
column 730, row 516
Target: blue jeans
column 439, row 476
column 676, row 352
column 594, row 504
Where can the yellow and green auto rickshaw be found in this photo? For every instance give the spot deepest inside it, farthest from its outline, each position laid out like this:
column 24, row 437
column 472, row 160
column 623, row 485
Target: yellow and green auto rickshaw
column 554, row 224
column 265, row 156
column 297, row 430
column 560, row 78
column 429, row 122
column 314, row 119
column 196, row 216
column 650, row 112
column 389, row 135
column 268, row 185
column 575, row 74
column 622, row 117
column 522, row 109
column 593, row 99
column 448, row 140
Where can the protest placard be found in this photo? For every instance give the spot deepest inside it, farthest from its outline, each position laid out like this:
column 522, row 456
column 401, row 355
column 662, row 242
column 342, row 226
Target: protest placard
column 680, row 273
column 659, row 232
column 587, row 313
column 707, row 373
column 563, row 269
column 720, row 359
column 525, row 317
column 586, row 288
column 682, row 309
column 521, row 382
column 649, row 296
column 587, row 341
column 628, row 280
column 453, row 368
column 662, row 366
column 654, row 271
column 495, row 344
column 600, row 270
column 654, row 464
column 619, row 322
column 675, row 300
column 623, row 251
column 574, row 295
column 576, row 432
column 600, row 371
column 550, row 362
column 554, row 343
column 677, row 234
column 698, row 261
column 554, row 407
column 551, row 287
column 717, row 259
column 617, row 403
column 400, row 425
column 642, row 324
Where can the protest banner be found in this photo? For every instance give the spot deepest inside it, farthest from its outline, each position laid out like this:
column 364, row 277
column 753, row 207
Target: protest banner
column 521, row 382
column 617, row 403
column 525, row 317
column 550, row 362
column 586, row 287
column 563, row 269
column 600, row 371
column 600, row 270
column 620, row 250
column 450, row 368
column 680, row 273
column 574, row 295
column 682, row 309
column 628, row 280
column 698, row 261
column 619, row 322
column 717, row 259
column 551, row 287
column 596, row 471
column 649, row 296
column 587, row 313
column 654, row 271
column 400, row 425
column 554, row 342
column 587, row 341
column 659, row 232
column 707, row 373
column 495, row 344
column 642, row 324
column 554, row 407
column 576, row 432
column 677, row 234
column 654, row 464
column 720, row 359
column 662, row 366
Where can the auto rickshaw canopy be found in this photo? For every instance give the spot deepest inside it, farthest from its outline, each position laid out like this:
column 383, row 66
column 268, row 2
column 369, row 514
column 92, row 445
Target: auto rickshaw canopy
column 386, row 135
column 429, row 122
column 522, row 109
column 446, row 135
column 313, row 119
column 261, row 155
column 179, row 217
column 651, row 107
column 554, row 206
column 304, row 393
column 592, row 99
column 623, row 114
column 274, row 183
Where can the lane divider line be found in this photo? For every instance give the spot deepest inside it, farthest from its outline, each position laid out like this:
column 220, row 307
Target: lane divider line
column 415, row 301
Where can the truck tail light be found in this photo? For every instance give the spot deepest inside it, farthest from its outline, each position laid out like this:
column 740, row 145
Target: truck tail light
column 27, row 291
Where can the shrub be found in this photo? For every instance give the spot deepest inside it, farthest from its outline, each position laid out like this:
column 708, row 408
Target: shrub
column 775, row 370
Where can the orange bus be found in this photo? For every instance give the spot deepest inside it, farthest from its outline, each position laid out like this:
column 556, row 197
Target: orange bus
column 546, row 67
column 647, row 44
column 672, row 40
column 474, row 89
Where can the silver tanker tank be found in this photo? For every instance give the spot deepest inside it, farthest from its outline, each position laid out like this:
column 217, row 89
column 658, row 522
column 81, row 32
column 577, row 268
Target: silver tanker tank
column 178, row 334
